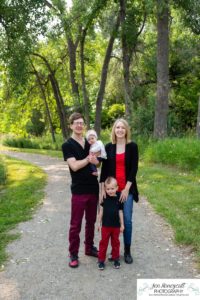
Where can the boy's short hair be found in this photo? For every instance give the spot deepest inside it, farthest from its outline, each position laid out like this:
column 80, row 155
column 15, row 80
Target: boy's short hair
column 75, row 116
column 110, row 180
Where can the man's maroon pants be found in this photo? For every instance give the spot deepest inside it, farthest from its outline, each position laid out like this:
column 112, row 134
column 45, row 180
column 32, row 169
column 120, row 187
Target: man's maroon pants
column 80, row 204
column 106, row 234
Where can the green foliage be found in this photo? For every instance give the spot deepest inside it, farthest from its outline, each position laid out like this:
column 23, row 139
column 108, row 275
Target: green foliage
column 110, row 114
column 143, row 117
column 21, row 22
column 44, row 142
column 25, row 19
column 20, row 142
column 182, row 152
column 35, row 126
column 106, row 135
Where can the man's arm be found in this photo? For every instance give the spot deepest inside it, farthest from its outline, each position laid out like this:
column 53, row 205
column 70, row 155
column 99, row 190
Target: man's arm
column 76, row 165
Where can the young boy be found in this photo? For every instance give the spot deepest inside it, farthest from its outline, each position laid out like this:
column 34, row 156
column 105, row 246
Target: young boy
column 111, row 218
column 96, row 148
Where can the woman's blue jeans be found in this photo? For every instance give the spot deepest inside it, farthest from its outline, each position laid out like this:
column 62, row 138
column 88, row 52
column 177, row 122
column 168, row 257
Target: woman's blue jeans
column 128, row 211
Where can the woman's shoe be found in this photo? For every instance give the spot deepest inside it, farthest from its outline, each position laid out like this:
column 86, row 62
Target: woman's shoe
column 128, row 258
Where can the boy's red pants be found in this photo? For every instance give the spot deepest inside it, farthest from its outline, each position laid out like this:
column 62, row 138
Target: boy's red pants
column 106, row 234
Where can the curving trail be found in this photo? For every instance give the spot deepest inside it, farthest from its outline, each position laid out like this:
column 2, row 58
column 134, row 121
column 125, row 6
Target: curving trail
column 38, row 266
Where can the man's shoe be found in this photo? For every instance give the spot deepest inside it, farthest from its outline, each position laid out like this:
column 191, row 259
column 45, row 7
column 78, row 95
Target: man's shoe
column 116, row 264
column 93, row 252
column 128, row 258
column 101, row 265
column 73, row 263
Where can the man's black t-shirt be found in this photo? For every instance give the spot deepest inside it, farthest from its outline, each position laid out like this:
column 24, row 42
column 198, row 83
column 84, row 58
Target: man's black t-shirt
column 111, row 207
column 83, row 182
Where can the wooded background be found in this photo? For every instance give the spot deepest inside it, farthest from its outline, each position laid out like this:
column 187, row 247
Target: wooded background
column 139, row 59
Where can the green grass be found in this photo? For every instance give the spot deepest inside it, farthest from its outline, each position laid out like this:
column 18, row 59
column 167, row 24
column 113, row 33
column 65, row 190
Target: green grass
column 181, row 152
column 52, row 153
column 2, row 173
column 175, row 195
column 21, row 195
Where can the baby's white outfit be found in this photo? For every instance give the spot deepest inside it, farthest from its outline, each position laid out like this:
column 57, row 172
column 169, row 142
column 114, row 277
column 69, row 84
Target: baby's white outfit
column 99, row 146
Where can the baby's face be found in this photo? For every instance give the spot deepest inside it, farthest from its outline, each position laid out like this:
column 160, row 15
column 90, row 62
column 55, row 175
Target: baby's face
column 111, row 189
column 92, row 139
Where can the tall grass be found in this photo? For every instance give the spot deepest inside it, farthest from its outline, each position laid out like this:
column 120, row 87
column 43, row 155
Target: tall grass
column 181, row 152
column 2, row 172
column 44, row 142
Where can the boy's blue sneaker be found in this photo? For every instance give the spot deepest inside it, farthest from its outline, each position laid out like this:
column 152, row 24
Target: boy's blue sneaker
column 101, row 265
column 116, row 264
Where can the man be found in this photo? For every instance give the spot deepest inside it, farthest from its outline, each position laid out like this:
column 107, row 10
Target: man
column 84, row 188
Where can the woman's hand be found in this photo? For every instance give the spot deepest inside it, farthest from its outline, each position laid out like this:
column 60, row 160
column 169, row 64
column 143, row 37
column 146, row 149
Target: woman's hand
column 124, row 195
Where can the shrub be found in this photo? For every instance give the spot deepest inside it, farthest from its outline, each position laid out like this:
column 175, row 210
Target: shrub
column 35, row 126
column 183, row 152
column 21, row 143
column 44, row 142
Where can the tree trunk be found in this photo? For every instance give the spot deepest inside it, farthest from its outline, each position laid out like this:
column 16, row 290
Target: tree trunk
column 126, row 59
column 161, row 105
column 104, row 74
column 198, row 121
column 72, row 67
column 60, row 109
column 84, row 89
column 43, row 94
column 58, row 97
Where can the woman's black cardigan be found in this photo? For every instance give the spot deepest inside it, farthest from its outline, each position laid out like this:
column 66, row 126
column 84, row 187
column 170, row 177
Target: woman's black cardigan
column 131, row 165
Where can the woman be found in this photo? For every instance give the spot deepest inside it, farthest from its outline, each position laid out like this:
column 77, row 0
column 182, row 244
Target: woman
column 122, row 163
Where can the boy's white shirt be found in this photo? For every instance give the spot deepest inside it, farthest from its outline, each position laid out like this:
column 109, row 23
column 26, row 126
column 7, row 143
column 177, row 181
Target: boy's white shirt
column 99, row 146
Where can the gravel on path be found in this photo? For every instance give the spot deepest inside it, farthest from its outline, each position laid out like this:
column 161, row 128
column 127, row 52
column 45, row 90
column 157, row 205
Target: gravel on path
column 38, row 266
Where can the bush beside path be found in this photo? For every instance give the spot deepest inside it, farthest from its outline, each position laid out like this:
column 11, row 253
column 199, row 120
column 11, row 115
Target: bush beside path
column 38, row 264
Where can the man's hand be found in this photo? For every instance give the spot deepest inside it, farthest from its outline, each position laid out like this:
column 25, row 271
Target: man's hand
column 93, row 160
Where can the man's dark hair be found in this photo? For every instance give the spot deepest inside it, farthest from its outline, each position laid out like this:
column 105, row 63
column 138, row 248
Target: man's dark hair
column 75, row 116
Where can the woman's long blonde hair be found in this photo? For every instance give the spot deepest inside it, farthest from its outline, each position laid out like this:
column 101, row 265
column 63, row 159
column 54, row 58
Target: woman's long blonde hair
column 128, row 132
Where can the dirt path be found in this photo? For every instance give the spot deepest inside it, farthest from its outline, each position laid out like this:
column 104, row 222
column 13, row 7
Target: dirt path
column 38, row 267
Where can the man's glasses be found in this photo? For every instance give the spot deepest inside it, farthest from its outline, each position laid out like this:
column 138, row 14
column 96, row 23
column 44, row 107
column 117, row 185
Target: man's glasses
column 79, row 123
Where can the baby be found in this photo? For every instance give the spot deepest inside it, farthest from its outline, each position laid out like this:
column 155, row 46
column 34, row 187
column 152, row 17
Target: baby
column 96, row 148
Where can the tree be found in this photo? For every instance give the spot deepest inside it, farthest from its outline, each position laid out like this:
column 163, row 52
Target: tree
column 161, row 106
column 198, row 121
column 21, row 21
column 131, row 19
column 104, row 74
column 41, row 86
